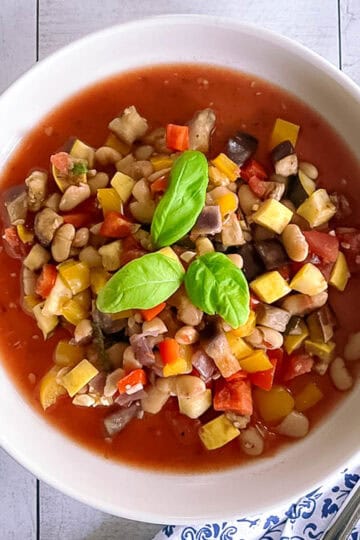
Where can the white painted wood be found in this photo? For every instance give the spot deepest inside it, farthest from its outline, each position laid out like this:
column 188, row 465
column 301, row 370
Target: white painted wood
column 350, row 41
column 17, row 39
column 17, row 500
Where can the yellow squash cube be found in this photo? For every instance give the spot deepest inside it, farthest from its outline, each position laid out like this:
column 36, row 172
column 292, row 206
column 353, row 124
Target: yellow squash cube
column 76, row 275
column 226, row 166
column 109, row 200
column 195, row 406
column 81, row 150
column 80, row 375
column 98, row 279
column 113, row 142
column 247, row 328
column 238, row 346
column 340, row 273
column 308, row 397
column 67, row 354
column 257, row 361
column 291, row 343
column 217, row 432
column 309, row 280
column 181, row 366
column 161, row 162
column 46, row 323
column 317, row 209
column 284, row 131
column 270, row 287
column 274, row 404
column 123, row 184
column 324, row 351
column 273, row 216
column 50, row 390
column 74, row 312
column 24, row 234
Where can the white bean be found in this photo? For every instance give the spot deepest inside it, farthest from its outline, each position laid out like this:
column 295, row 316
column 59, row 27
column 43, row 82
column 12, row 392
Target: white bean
column 100, row 180
column 295, row 243
column 188, row 386
column 90, row 256
column 187, row 335
column 294, row 425
column 155, row 400
column 154, row 327
column 340, row 375
column 236, row 259
column 61, row 245
column 167, row 385
column 143, row 152
column 251, row 442
column 111, row 382
column 204, row 245
column 73, row 196
column 309, row 169
column 352, row 348
column 81, row 237
column 105, row 155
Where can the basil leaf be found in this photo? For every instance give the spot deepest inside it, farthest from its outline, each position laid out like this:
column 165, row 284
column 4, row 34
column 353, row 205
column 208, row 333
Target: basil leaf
column 183, row 201
column 141, row 284
column 215, row 285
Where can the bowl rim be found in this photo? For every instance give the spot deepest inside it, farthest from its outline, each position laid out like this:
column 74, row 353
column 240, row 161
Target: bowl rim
column 253, row 30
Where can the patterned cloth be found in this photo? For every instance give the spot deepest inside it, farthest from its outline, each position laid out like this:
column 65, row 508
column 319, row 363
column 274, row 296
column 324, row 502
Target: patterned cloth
column 306, row 519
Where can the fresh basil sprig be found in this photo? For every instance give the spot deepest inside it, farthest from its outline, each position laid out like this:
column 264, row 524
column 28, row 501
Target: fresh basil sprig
column 215, row 285
column 183, row 201
column 141, row 284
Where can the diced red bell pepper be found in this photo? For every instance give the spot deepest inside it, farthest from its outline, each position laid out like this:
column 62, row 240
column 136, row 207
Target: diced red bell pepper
column 322, row 244
column 257, row 186
column 169, row 350
column 264, row 379
column 137, row 376
column 325, row 268
column 241, row 374
column 350, row 245
column 159, row 186
column 46, row 280
column 177, row 137
column 296, row 364
column 77, row 219
column 252, row 168
column 150, row 314
column 15, row 247
column 115, row 225
column 131, row 249
column 233, row 396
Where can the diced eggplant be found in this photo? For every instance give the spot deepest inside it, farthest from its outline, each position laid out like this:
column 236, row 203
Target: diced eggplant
column 253, row 265
column 271, row 253
column 231, row 234
column 129, row 126
column 215, row 344
column 300, row 187
column 241, row 147
column 208, row 222
column 342, row 205
column 36, row 185
column 272, row 317
column 284, row 158
column 293, row 327
column 17, row 209
column 119, row 419
column 204, row 364
column 200, row 128
column 142, row 350
column 321, row 325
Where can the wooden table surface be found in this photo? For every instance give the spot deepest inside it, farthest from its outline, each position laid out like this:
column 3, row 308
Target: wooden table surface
column 29, row 31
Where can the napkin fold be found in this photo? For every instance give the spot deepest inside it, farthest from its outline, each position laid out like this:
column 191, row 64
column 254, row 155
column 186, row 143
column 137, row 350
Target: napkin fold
column 306, row 519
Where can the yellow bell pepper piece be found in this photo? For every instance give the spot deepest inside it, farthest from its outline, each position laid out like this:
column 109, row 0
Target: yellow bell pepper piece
column 291, row 343
column 247, row 328
column 317, row 209
column 161, row 162
column 270, row 287
column 67, row 354
column 340, row 273
column 217, row 432
column 308, row 397
column 195, row 406
column 274, row 404
column 113, row 142
column 76, row 275
column 284, row 131
column 309, row 280
column 74, row 312
column 80, row 375
column 84, row 299
column 98, row 279
column 273, row 215
column 238, row 346
column 226, row 166
column 83, row 151
column 123, row 184
column 46, row 323
column 228, row 203
column 325, row 351
column 24, row 234
column 257, row 361
column 109, row 200
column 179, row 367
column 50, row 390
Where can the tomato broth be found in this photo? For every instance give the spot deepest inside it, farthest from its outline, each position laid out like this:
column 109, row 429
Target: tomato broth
column 165, row 94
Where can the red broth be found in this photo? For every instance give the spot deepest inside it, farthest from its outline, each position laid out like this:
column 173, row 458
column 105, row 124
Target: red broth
column 165, row 94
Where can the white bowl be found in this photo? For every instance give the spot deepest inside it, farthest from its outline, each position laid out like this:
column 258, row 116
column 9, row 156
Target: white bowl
column 110, row 486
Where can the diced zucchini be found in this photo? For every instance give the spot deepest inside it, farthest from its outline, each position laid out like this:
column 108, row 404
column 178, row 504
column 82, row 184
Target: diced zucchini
column 195, row 406
column 59, row 294
column 340, row 273
column 61, row 182
column 113, row 142
column 109, row 200
column 169, row 252
column 315, row 328
column 247, row 328
column 273, row 215
column 76, row 275
column 24, row 234
column 317, row 209
column 274, row 404
column 308, row 397
column 46, row 323
column 123, row 184
column 111, row 255
column 179, row 367
column 325, row 351
column 67, row 355
column 74, row 312
column 257, row 361
column 309, row 280
column 270, row 287
column 36, row 258
column 98, row 279
column 81, row 150
column 161, row 162
column 226, row 166
column 284, row 131
column 80, row 375
column 50, row 390
column 238, row 346
column 217, row 432
column 306, row 182
column 293, row 342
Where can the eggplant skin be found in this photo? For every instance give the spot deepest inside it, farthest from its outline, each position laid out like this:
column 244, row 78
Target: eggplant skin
column 295, row 191
column 253, row 265
column 241, row 146
column 282, row 150
column 271, row 253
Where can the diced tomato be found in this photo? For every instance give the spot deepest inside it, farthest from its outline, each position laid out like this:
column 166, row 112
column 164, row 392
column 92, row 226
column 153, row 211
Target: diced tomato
column 13, row 244
column 46, row 280
column 350, row 245
column 285, row 271
column 159, row 186
column 278, row 355
column 135, row 377
column 252, row 168
column 177, row 137
column 131, row 249
column 257, row 186
column 233, row 396
column 150, row 314
column 78, row 220
column 115, row 225
column 241, row 374
column 264, row 379
column 84, row 214
column 169, row 350
column 61, row 161
column 322, row 244
column 297, row 364
column 325, row 268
